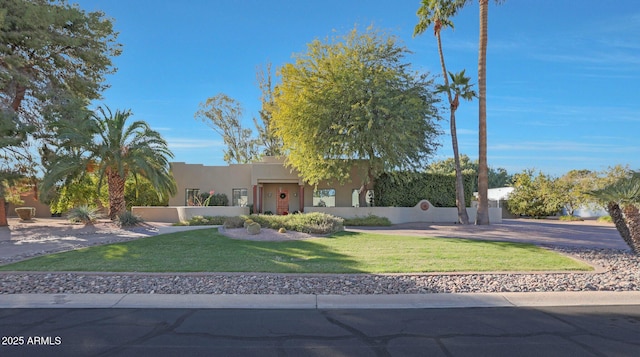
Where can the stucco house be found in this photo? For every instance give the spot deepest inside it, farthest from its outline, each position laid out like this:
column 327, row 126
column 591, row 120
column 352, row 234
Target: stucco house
column 267, row 185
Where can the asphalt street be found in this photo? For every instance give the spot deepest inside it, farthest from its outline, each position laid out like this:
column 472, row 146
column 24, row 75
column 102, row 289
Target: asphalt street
column 495, row 331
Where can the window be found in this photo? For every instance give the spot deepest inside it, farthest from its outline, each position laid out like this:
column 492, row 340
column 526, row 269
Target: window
column 324, row 197
column 191, row 196
column 355, row 198
column 240, row 197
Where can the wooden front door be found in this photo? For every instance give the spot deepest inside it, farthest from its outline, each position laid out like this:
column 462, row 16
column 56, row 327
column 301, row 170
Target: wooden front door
column 282, row 204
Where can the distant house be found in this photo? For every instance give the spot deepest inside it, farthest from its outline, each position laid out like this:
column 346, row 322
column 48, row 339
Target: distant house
column 268, row 186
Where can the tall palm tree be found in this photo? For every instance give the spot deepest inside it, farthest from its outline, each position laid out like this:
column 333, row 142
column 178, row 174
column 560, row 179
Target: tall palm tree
column 115, row 151
column 621, row 199
column 482, row 218
column 438, row 13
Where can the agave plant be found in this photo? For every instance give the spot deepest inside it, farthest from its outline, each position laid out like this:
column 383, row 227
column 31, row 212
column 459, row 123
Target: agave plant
column 84, row 214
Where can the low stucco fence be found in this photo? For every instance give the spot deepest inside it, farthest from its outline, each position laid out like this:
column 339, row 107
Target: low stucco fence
column 422, row 212
column 174, row 214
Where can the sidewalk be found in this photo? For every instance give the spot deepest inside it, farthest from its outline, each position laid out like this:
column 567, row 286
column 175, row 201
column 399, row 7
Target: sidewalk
column 400, row 301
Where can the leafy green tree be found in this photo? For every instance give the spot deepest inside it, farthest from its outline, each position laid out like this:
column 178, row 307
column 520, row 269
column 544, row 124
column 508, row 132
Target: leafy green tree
column 52, row 50
column 448, row 166
column 535, row 196
column 437, row 13
column 52, row 53
column 223, row 114
column 498, row 177
column 115, row 151
column 79, row 191
column 575, row 186
column 350, row 102
column 621, row 199
column 139, row 191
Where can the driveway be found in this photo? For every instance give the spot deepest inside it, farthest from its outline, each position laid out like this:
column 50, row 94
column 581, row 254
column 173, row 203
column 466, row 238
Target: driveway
column 545, row 232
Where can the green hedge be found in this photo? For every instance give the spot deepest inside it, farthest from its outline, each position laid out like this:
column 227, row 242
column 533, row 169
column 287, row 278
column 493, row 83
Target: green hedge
column 406, row 189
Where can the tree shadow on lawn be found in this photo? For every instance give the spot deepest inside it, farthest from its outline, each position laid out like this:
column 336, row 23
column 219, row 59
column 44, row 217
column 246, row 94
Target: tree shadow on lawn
column 303, row 256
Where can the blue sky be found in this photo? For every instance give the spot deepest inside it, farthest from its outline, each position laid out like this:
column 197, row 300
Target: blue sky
column 562, row 78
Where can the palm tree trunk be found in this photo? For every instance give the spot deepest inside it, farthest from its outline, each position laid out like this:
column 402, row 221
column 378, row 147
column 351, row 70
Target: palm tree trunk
column 618, row 219
column 482, row 217
column 3, row 212
column 461, row 203
column 116, row 193
column 632, row 218
column 463, row 217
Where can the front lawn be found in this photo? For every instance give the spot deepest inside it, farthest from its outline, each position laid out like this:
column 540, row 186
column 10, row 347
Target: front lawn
column 345, row 252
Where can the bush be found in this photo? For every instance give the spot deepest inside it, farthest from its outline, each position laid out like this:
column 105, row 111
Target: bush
column 128, row 219
column 570, row 218
column 217, row 199
column 605, row 219
column 83, row 214
column 370, row 220
column 233, row 222
column 204, row 221
column 406, row 189
column 314, row 223
column 282, row 230
column 247, row 223
column 535, row 196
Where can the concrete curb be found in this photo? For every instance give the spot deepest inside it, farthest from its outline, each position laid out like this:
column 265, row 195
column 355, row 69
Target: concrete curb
column 401, row 301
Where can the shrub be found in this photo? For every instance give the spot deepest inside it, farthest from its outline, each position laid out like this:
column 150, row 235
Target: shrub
column 83, row 214
column 205, row 221
column 247, row 223
column 370, row 220
column 282, row 230
column 406, row 189
column 217, row 199
column 233, row 222
column 314, row 223
column 570, row 218
column 606, row 219
column 128, row 219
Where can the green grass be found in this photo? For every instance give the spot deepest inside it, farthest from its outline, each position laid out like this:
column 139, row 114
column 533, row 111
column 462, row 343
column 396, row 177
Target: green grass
column 346, row 252
column 570, row 219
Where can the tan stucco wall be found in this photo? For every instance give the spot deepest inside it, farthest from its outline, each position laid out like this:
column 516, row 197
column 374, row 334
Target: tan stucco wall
column 42, row 210
column 221, row 179
column 182, row 214
column 399, row 215
column 271, row 174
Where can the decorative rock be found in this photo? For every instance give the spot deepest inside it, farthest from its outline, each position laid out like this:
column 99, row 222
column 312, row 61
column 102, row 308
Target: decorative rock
column 253, row 228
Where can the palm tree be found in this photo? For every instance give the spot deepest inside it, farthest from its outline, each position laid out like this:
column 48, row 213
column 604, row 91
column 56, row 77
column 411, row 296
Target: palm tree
column 115, row 151
column 482, row 218
column 438, row 14
column 621, row 199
